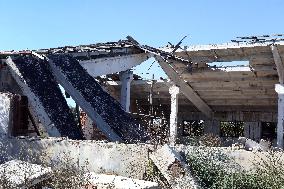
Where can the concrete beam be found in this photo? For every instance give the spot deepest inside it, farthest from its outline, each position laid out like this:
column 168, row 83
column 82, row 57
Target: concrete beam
column 105, row 111
column 185, row 88
column 279, row 88
column 174, row 91
column 82, row 102
column 103, row 66
column 35, row 104
column 279, row 63
column 125, row 77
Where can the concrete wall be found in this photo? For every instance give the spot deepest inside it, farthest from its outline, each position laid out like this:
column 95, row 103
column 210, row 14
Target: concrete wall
column 111, row 158
column 5, row 113
column 128, row 160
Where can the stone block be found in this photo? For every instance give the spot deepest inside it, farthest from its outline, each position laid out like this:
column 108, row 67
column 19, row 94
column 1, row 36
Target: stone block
column 173, row 168
column 19, row 174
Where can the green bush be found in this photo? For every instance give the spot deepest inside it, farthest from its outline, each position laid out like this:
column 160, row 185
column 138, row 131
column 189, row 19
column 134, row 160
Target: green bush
column 210, row 140
column 213, row 169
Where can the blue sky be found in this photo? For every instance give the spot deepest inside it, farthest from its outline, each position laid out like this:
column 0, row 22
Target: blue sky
column 33, row 24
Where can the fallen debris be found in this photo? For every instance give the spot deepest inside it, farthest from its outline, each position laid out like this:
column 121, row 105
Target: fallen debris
column 20, row 174
column 176, row 171
column 103, row 181
column 251, row 145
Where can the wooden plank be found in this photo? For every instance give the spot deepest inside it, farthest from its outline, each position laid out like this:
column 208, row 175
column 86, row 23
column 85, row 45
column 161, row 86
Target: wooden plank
column 198, row 78
column 261, row 61
column 244, row 97
column 208, row 96
column 218, row 76
column 185, row 88
column 232, row 102
column 233, row 85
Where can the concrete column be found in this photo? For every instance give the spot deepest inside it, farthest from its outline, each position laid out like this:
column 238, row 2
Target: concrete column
column 279, row 88
column 174, row 91
column 212, row 127
column 125, row 77
column 252, row 130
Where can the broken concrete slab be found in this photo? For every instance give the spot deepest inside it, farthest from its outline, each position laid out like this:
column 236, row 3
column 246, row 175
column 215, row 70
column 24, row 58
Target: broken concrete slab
column 263, row 145
column 251, row 145
column 20, row 174
column 173, row 168
column 103, row 181
column 36, row 81
column 103, row 109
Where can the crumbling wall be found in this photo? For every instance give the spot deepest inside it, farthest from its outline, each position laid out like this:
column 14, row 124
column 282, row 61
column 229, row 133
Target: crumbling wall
column 128, row 160
column 6, row 100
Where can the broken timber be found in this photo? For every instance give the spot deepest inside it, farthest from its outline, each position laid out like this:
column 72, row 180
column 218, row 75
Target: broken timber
column 103, row 109
column 45, row 98
column 165, row 59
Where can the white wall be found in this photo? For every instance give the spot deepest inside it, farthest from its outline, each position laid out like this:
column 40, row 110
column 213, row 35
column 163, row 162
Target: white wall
column 128, row 160
column 5, row 113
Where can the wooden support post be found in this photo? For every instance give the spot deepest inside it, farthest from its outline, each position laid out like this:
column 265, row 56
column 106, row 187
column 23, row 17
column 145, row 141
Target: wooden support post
column 174, row 91
column 126, row 77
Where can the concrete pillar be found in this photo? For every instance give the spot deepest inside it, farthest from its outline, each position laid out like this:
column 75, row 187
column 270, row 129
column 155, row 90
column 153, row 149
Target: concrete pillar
column 212, row 127
column 279, row 88
column 174, row 91
column 252, row 130
column 125, row 77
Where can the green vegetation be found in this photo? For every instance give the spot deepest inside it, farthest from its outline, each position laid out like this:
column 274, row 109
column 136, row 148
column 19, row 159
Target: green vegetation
column 213, row 169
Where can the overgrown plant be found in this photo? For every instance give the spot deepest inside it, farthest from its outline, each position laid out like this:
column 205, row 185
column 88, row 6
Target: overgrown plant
column 213, row 169
column 210, row 140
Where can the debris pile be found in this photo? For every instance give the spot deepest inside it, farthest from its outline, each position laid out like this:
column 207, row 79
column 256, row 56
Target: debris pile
column 19, row 174
column 174, row 169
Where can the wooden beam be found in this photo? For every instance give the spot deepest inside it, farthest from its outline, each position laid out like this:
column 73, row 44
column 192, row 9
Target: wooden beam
column 279, row 63
column 185, row 88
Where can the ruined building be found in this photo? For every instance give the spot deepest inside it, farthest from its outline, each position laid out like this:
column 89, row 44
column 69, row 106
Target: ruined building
column 124, row 107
